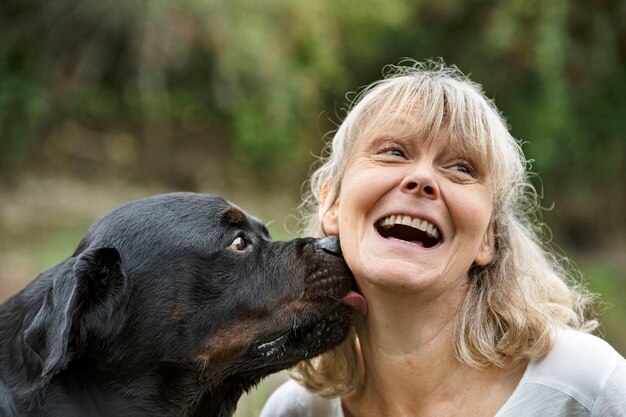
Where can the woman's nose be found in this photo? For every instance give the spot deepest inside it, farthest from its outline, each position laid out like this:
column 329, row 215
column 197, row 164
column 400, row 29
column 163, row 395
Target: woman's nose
column 420, row 182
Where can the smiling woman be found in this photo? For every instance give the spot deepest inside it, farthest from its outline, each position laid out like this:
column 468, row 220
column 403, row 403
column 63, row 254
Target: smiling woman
column 466, row 308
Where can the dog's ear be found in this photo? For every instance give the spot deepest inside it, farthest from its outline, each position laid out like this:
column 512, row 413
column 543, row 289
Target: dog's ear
column 48, row 333
column 103, row 291
column 84, row 301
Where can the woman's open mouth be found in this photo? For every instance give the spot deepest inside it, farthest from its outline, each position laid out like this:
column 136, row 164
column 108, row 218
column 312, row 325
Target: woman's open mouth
column 410, row 229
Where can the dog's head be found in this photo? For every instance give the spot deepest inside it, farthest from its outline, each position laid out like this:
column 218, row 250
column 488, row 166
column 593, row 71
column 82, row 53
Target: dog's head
column 187, row 295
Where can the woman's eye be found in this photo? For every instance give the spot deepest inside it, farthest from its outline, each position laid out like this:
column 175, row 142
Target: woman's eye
column 395, row 152
column 392, row 149
column 388, row 146
column 464, row 167
column 239, row 244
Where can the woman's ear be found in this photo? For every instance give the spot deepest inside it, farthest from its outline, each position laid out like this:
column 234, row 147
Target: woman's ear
column 487, row 249
column 330, row 220
column 330, row 224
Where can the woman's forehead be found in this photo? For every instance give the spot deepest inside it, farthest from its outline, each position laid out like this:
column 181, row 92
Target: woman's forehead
column 423, row 106
column 421, row 126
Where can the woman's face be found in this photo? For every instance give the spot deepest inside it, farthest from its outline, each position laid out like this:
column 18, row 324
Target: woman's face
column 411, row 215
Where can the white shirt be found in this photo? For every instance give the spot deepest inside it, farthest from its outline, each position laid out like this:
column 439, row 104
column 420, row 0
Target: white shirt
column 581, row 376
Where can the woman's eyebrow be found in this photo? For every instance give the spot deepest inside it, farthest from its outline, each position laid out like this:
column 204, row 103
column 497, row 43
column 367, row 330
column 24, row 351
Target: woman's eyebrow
column 392, row 127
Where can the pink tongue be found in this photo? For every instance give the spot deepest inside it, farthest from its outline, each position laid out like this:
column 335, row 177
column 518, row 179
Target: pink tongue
column 356, row 301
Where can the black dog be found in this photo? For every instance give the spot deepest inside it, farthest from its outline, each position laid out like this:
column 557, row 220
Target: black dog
column 170, row 306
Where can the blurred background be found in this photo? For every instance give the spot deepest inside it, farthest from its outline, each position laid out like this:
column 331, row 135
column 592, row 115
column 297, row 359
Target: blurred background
column 103, row 101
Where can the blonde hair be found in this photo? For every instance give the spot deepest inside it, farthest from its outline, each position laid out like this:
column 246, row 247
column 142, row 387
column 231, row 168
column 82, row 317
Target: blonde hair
column 514, row 303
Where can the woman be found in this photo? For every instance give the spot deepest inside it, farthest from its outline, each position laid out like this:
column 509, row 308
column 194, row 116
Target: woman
column 467, row 314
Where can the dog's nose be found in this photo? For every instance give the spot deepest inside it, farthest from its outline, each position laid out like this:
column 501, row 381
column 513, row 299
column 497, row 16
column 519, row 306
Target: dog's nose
column 330, row 245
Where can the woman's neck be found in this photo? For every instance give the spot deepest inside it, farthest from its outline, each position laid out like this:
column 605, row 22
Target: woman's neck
column 401, row 339
column 407, row 345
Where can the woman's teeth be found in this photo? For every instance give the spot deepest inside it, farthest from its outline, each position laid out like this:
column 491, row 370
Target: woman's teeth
column 423, row 225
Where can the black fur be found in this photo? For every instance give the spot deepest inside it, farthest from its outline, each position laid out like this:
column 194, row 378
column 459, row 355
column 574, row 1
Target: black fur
column 158, row 313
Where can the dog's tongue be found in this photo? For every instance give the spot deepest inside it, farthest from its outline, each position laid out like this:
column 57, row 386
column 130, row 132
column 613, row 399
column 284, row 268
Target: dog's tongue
column 356, row 301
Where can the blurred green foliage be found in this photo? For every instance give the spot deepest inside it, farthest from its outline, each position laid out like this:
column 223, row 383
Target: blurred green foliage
column 260, row 71
column 156, row 88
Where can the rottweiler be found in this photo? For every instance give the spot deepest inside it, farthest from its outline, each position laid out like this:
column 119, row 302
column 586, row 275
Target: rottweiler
column 173, row 305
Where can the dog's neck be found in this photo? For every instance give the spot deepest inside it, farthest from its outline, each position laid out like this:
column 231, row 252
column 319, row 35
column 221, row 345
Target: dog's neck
column 92, row 393
column 219, row 404
column 221, row 397
column 186, row 389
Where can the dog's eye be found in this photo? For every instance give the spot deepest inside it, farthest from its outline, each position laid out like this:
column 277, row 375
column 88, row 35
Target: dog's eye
column 239, row 244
